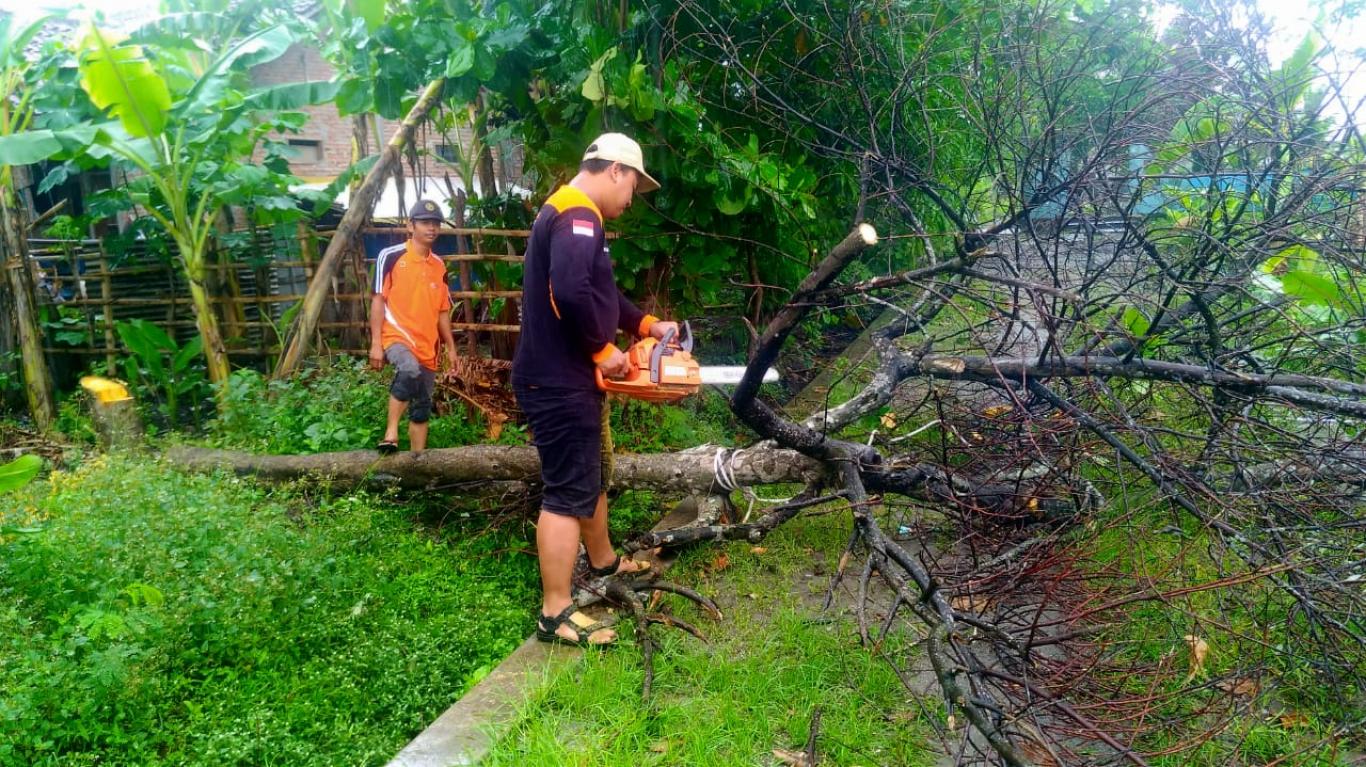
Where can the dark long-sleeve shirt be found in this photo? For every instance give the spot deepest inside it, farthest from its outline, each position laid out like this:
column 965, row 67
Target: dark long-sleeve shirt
column 571, row 307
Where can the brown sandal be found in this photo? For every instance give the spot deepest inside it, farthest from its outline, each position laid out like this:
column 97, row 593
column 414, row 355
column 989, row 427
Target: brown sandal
column 611, row 567
column 582, row 625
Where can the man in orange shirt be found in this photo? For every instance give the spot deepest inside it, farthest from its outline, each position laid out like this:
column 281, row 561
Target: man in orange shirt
column 409, row 313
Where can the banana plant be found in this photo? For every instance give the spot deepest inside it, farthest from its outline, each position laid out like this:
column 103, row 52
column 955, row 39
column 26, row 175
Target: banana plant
column 177, row 110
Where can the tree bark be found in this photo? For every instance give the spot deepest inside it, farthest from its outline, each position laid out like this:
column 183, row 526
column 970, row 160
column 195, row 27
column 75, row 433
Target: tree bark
column 687, row 472
column 19, row 276
column 206, row 320
column 348, row 231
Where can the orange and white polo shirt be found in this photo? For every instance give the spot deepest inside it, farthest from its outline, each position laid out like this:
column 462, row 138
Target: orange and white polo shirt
column 415, row 295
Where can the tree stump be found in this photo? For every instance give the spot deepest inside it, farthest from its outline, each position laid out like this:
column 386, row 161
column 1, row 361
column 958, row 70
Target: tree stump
column 114, row 412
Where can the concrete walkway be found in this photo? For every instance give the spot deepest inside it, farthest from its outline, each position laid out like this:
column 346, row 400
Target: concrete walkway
column 468, row 730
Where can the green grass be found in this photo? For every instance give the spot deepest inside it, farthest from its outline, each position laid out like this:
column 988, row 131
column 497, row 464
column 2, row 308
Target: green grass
column 751, row 690
column 160, row 618
column 1248, row 630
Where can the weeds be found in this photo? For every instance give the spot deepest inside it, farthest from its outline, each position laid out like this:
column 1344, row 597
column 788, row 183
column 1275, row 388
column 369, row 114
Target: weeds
column 162, row 618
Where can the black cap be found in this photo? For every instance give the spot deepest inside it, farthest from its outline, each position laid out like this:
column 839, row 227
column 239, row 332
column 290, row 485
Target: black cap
column 425, row 209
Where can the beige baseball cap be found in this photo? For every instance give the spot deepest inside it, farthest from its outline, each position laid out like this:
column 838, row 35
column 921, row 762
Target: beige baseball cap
column 618, row 147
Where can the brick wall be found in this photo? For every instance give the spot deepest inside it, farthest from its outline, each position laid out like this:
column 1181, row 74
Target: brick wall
column 331, row 154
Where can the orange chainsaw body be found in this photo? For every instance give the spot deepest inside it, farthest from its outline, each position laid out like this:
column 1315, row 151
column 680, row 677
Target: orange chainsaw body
column 661, row 371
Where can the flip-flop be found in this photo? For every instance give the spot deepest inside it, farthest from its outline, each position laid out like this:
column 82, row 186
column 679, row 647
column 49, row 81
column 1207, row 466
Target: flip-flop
column 387, row 447
column 611, row 567
column 582, row 626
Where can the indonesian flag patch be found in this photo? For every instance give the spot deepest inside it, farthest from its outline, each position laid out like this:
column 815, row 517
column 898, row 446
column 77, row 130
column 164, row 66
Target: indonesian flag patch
column 583, row 228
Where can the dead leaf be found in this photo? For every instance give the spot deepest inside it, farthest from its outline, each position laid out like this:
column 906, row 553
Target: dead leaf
column 758, row 550
column 888, row 420
column 844, row 562
column 972, row 603
column 903, row 717
column 997, row 410
column 720, row 562
column 1244, row 687
column 752, row 595
column 1199, row 651
column 792, row 758
column 660, row 747
column 1293, row 719
column 1036, row 754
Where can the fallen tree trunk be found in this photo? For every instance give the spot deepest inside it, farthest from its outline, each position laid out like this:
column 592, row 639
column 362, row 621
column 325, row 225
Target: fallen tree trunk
column 691, row 471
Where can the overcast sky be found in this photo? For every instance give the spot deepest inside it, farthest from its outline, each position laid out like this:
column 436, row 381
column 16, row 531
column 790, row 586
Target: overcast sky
column 1291, row 19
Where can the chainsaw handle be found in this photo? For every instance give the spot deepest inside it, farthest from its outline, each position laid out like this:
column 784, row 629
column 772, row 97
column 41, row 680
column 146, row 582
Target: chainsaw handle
column 602, row 380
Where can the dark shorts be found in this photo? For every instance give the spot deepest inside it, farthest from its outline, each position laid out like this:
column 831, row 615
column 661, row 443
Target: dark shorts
column 573, row 438
column 412, row 382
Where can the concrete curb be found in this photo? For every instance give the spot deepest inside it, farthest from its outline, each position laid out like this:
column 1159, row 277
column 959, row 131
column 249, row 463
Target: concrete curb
column 466, row 732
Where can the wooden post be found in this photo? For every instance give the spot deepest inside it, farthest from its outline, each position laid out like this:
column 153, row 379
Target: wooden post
column 348, row 231
column 106, row 298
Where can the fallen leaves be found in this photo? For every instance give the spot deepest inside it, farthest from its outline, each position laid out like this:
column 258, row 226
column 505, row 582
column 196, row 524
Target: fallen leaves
column 791, row 758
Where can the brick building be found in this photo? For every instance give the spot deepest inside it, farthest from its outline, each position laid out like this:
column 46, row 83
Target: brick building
column 323, row 148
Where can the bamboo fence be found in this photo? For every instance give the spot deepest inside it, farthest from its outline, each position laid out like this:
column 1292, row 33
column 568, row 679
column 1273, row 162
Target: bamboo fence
column 94, row 288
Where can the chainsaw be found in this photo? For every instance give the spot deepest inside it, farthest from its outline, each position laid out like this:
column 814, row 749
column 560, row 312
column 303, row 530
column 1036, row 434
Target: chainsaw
column 663, row 370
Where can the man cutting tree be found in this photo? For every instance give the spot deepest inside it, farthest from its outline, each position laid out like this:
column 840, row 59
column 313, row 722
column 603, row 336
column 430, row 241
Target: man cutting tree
column 571, row 312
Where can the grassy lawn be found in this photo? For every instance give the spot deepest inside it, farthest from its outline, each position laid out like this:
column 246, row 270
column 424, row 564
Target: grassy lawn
column 753, row 689
column 165, row 618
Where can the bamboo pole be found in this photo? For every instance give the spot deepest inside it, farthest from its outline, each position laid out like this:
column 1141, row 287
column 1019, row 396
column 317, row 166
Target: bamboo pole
column 458, row 216
column 106, row 296
column 305, row 325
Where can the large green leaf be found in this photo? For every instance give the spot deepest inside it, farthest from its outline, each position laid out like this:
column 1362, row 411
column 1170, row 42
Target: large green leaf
column 189, row 30
column 28, row 148
column 264, row 46
column 1312, row 288
column 1135, row 322
column 119, row 78
column 34, row 146
column 372, row 11
column 19, row 472
column 461, row 60
column 13, row 42
column 294, row 95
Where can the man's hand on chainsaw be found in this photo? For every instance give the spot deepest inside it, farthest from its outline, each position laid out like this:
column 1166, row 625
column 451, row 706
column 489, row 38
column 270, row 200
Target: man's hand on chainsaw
column 661, row 328
column 617, row 365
